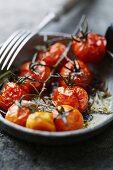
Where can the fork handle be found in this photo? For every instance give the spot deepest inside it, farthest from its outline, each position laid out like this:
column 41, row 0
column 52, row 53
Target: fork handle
column 67, row 7
column 56, row 14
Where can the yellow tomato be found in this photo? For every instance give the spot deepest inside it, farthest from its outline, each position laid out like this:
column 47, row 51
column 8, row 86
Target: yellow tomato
column 41, row 121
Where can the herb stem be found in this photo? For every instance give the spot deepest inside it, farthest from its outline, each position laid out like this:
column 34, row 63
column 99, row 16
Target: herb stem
column 58, row 62
column 62, row 56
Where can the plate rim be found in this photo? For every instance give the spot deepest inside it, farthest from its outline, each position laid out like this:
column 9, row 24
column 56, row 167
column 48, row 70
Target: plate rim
column 78, row 132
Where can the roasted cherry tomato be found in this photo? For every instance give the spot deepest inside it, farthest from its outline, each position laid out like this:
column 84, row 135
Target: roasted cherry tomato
column 38, row 76
column 18, row 114
column 12, row 92
column 92, row 49
column 53, row 54
column 41, row 121
column 77, row 72
column 67, row 118
column 25, row 66
column 76, row 97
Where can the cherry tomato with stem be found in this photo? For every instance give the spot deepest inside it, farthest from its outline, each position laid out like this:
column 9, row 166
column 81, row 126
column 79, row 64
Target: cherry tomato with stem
column 12, row 92
column 19, row 114
column 92, row 49
column 53, row 54
column 67, row 118
column 76, row 73
column 76, row 97
column 38, row 73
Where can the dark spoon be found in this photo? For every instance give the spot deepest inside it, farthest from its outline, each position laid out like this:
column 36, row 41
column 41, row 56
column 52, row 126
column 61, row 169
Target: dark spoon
column 109, row 38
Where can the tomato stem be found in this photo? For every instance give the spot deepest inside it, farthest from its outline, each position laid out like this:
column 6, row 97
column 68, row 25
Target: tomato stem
column 64, row 55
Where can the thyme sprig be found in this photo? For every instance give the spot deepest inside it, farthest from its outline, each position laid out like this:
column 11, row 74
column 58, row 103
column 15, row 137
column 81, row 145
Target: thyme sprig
column 22, row 80
column 5, row 77
column 30, row 105
column 36, row 104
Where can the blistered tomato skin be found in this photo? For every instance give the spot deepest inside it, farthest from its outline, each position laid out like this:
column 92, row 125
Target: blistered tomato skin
column 18, row 115
column 83, row 79
column 38, row 77
column 53, row 54
column 74, row 119
column 29, row 82
column 91, row 50
column 12, row 92
column 41, row 121
column 76, row 97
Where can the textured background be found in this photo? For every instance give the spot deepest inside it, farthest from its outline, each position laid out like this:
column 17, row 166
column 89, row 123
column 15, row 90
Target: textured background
column 97, row 152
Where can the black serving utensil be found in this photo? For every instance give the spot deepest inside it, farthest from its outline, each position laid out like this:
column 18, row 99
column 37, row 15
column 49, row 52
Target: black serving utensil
column 109, row 38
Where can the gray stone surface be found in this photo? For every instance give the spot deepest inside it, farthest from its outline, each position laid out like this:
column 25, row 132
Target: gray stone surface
column 94, row 154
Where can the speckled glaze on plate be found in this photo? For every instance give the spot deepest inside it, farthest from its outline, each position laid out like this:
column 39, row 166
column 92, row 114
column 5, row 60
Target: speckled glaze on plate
column 99, row 122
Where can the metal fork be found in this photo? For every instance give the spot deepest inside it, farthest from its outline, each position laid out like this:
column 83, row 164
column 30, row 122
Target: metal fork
column 14, row 44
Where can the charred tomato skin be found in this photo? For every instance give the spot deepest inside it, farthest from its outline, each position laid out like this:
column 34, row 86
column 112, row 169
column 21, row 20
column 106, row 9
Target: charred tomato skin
column 76, row 97
column 74, row 119
column 82, row 80
column 92, row 50
column 41, row 121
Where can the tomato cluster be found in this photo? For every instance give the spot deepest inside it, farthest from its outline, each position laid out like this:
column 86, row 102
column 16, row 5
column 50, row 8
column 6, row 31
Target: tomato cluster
column 69, row 99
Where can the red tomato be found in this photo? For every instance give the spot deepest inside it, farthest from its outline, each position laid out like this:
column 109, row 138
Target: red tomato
column 40, row 75
column 83, row 79
column 41, row 121
column 12, row 92
column 74, row 119
column 53, row 54
column 91, row 50
column 18, row 114
column 25, row 66
column 76, row 97
column 29, row 83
